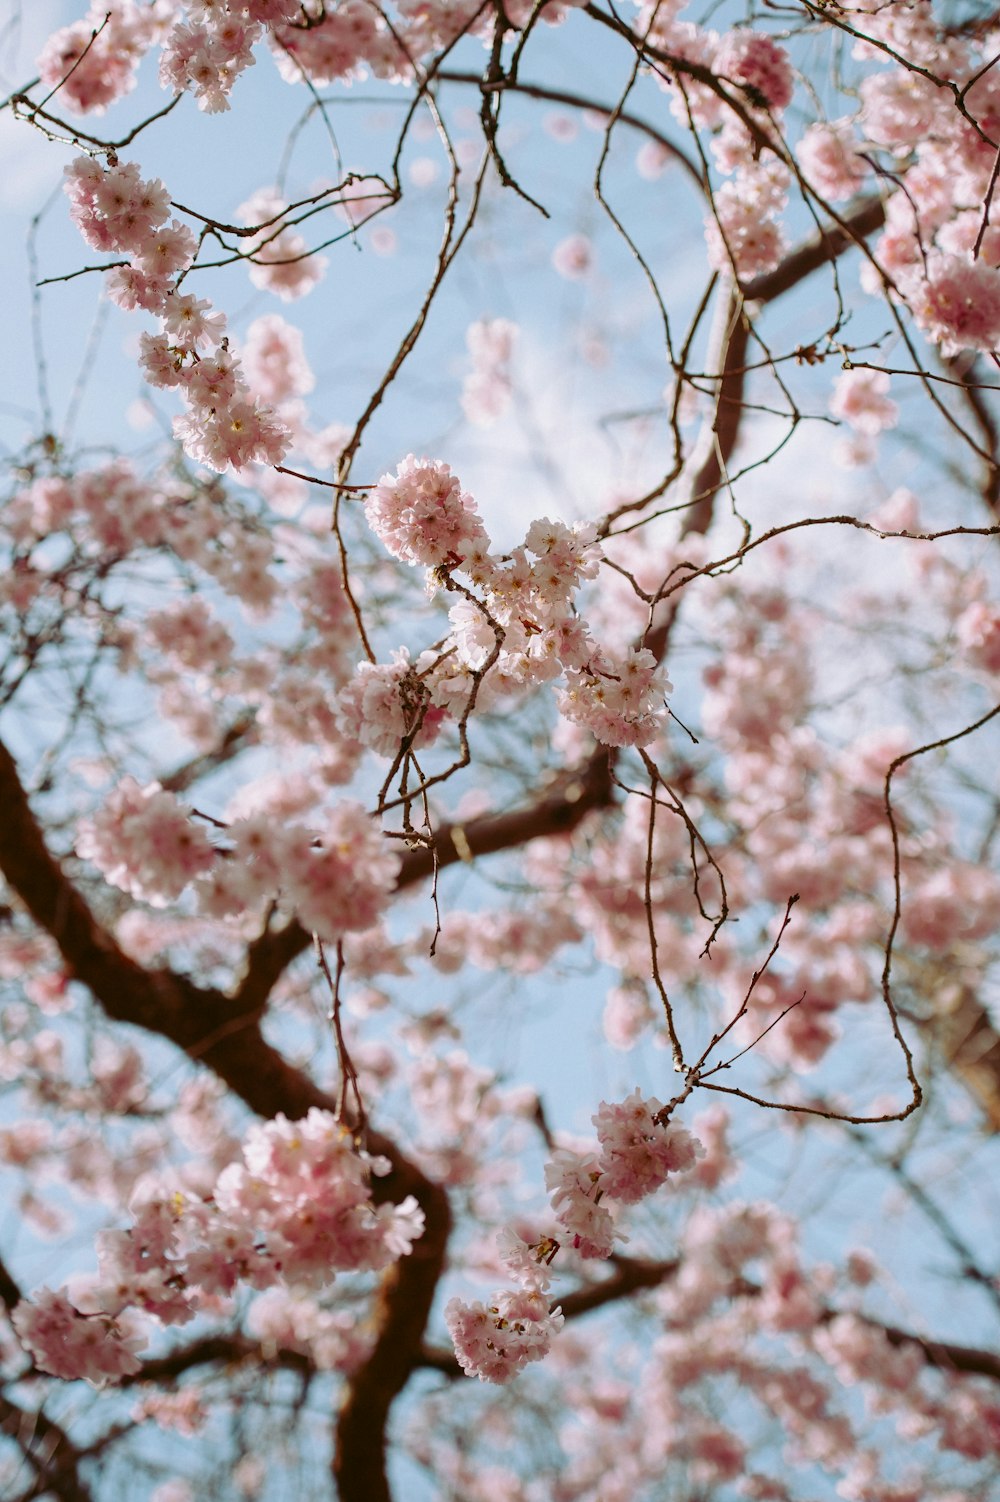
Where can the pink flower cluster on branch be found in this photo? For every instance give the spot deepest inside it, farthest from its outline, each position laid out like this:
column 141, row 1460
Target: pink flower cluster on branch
column 115, row 210
column 336, row 875
column 522, row 627
column 637, row 1154
column 296, row 1211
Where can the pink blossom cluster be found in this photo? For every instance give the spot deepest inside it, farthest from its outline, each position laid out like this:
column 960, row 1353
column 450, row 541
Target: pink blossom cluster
column 66, row 1343
column 522, row 940
column 274, row 360
column 385, row 705
column 144, row 842
column 422, row 515
column 497, row 1340
column 861, row 398
column 339, row 876
column 758, row 66
column 343, row 43
column 573, row 257
column 487, row 391
column 292, row 1321
column 110, row 512
column 978, row 631
column 637, row 1153
column 294, row 1212
column 336, row 874
column 620, row 700
column 116, row 210
column 960, row 902
column 304, row 1190
column 525, row 626
column 205, row 53
column 743, row 233
column 280, row 260
column 93, row 62
column 936, row 250
column 829, row 156
column 191, row 634
column 956, row 300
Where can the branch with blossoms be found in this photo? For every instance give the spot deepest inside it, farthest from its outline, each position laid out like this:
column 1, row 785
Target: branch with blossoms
column 317, row 1188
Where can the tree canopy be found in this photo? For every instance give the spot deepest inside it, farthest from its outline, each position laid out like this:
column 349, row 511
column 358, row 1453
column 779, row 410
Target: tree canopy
column 498, row 751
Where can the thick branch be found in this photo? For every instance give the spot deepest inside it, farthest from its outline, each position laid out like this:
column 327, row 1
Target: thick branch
column 821, row 249
column 48, row 1450
column 559, row 810
column 633, row 1276
column 967, row 369
column 10, row 1294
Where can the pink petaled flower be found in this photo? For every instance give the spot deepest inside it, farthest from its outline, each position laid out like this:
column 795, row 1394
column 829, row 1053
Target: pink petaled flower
column 637, row 1153
column 899, row 108
column 340, row 880
column 272, row 12
column 829, row 156
column 334, row 48
column 494, row 1342
column 185, row 1412
column 115, row 209
column 169, row 250
column 144, row 842
column 234, row 435
column 189, row 633
column 305, row 1189
column 573, row 1183
column 567, row 554
column 957, row 303
column 207, row 59
column 274, row 358
column 131, row 289
column 72, row 1345
column 385, row 702
column 422, row 515
column 619, row 700
column 190, row 324
column 861, row 398
column 210, row 382
column 334, row 1339
column 758, row 65
column 627, row 1013
column 93, row 62
column 740, row 236
column 528, row 1262
column 281, row 261
column 487, row 390
column 573, row 257
column 978, row 631
column 960, row 902
column 160, row 362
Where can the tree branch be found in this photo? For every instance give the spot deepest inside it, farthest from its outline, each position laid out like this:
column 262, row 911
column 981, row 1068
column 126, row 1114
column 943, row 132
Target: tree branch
column 48, row 1450
column 213, row 1031
column 632, row 1277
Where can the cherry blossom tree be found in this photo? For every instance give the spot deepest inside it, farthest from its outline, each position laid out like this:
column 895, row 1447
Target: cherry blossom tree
column 498, row 754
